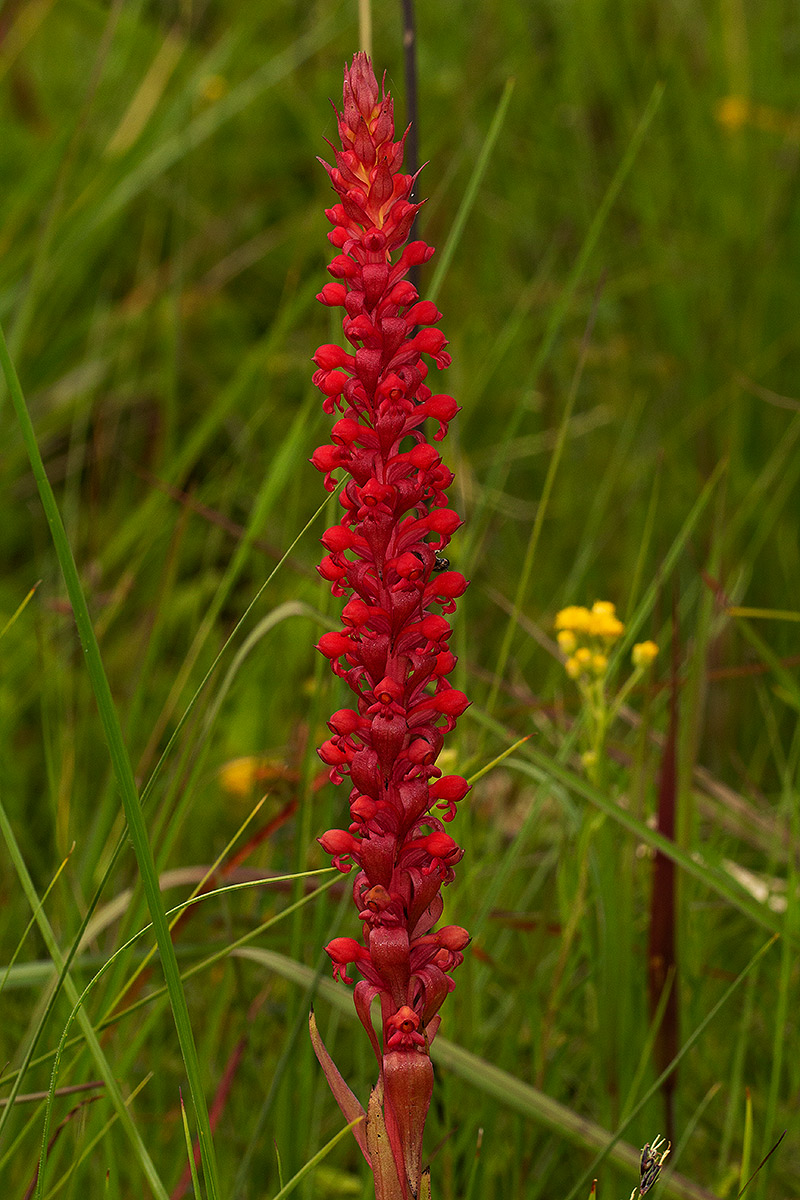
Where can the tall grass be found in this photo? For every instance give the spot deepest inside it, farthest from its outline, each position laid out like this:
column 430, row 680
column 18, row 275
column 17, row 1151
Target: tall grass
column 161, row 242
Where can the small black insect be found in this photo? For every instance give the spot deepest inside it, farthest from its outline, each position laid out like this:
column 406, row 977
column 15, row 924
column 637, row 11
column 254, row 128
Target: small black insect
column 440, row 563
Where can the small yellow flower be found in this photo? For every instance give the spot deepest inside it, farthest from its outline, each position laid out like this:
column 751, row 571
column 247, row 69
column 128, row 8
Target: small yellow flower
column 604, row 608
column 567, row 641
column 239, row 775
column 599, row 664
column 574, row 617
column 606, row 625
column 733, row 112
column 572, row 667
column 644, row 653
column 583, row 655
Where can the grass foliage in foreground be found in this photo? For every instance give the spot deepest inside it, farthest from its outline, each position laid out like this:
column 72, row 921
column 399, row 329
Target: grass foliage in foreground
column 161, row 241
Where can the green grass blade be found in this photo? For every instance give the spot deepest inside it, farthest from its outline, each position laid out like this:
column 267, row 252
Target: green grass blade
column 693, row 865
column 560, row 309
column 10, row 965
column 209, row 720
column 122, row 768
column 789, row 690
column 18, row 611
column 542, row 767
column 190, row 1151
column 312, row 1163
column 542, row 509
column 747, row 1141
column 79, row 1005
column 44, row 969
column 762, row 614
column 87, row 1149
column 505, row 1088
column 62, row 965
column 172, row 149
column 693, row 1038
column 465, row 207
column 671, row 558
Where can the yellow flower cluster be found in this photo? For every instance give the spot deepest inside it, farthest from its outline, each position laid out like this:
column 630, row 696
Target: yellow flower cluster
column 585, row 636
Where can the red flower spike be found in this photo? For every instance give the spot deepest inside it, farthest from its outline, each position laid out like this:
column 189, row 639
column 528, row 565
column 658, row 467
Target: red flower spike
column 393, row 648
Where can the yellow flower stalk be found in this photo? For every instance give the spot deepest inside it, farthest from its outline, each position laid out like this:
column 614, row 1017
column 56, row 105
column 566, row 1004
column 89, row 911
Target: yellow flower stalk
column 586, row 637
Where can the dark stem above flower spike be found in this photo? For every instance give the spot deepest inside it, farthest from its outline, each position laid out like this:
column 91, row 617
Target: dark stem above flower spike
column 412, row 107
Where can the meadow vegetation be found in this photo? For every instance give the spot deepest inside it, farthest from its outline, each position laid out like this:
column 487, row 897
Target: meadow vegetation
column 613, row 192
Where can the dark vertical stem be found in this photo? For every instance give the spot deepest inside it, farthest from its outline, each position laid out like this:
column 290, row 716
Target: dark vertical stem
column 662, row 957
column 410, row 65
column 412, row 140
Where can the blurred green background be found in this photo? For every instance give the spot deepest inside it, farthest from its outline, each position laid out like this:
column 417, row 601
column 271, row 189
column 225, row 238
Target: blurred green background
column 162, row 238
